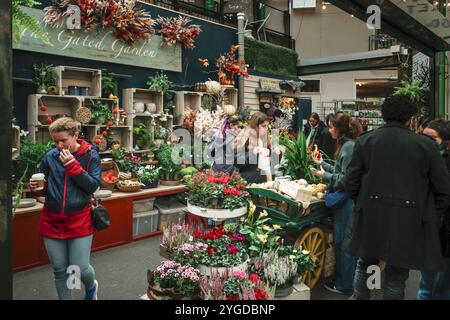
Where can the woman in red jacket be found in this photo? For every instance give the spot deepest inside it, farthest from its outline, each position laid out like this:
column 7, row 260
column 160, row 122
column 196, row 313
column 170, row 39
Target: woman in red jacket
column 72, row 174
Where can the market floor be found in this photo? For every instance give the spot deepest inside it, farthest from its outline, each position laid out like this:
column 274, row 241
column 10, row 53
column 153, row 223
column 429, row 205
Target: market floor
column 122, row 275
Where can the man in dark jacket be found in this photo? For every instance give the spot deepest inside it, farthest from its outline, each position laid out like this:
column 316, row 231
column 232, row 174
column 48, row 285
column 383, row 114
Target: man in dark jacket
column 401, row 187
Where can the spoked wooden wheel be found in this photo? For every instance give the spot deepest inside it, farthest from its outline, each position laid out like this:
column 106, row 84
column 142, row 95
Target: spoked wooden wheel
column 313, row 240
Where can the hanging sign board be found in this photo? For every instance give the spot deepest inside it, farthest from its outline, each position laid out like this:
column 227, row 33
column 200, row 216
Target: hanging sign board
column 268, row 84
column 100, row 45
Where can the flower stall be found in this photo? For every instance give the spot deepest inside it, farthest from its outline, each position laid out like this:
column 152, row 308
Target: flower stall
column 246, row 260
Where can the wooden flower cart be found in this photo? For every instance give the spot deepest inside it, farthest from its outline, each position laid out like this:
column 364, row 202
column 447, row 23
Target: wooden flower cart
column 306, row 224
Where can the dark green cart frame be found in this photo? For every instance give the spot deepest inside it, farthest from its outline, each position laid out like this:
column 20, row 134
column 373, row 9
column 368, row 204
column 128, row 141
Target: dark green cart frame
column 306, row 225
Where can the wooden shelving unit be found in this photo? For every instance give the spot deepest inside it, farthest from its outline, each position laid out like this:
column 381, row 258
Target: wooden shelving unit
column 80, row 77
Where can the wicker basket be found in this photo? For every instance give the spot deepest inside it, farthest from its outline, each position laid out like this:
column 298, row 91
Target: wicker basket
column 124, row 188
column 107, row 165
column 106, row 184
column 83, row 115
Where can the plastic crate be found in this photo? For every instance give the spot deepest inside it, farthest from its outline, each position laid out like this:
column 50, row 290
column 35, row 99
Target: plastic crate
column 145, row 222
column 170, row 212
column 144, row 205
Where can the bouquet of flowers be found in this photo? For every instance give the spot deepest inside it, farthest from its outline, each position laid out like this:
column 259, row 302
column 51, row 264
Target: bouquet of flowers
column 217, row 190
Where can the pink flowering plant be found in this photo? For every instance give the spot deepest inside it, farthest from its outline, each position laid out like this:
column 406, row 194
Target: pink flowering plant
column 216, row 247
column 217, row 190
column 184, row 279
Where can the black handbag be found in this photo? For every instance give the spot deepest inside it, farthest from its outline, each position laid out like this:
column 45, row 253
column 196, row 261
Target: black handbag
column 100, row 216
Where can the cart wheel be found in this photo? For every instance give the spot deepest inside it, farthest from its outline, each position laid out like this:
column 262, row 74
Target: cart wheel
column 313, row 240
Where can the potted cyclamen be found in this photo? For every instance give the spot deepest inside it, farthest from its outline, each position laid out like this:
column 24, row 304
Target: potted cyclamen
column 216, row 251
column 217, row 195
column 172, row 280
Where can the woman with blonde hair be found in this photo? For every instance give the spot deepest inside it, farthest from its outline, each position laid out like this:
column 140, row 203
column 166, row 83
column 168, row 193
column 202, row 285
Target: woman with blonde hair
column 253, row 145
column 72, row 174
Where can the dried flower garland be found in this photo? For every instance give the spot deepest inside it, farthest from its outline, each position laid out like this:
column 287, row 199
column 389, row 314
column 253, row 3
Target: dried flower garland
column 129, row 24
column 175, row 30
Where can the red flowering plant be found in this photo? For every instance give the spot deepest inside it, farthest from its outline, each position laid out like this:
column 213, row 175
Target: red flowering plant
column 176, row 30
column 241, row 286
column 217, row 190
column 218, row 247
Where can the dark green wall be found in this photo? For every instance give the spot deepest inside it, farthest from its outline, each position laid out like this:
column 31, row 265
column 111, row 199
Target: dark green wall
column 213, row 41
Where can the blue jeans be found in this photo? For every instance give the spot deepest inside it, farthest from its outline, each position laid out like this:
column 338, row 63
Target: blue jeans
column 435, row 285
column 394, row 281
column 345, row 263
column 70, row 252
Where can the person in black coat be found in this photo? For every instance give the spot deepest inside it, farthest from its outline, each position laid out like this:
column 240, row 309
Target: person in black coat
column 400, row 186
column 436, row 285
column 326, row 143
column 313, row 129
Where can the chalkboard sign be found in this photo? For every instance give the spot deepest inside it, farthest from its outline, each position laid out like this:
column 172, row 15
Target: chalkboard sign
column 238, row 6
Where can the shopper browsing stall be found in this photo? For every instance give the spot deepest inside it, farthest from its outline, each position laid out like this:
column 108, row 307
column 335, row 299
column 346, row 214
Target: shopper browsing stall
column 224, row 145
column 436, row 285
column 72, row 173
column 253, row 149
column 313, row 129
column 400, row 186
column 344, row 130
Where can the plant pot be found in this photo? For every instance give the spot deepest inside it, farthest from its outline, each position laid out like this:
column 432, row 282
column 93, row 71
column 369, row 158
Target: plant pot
column 216, row 213
column 150, row 185
column 284, row 290
column 42, row 89
column 211, row 270
column 170, row 183
column 150, row 107
column 166, row 253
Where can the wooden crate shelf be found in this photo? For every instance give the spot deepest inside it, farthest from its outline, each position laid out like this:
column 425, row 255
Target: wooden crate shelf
column 80, row 77
column 56, row 106
column 184, row 101
column 230, row 96
column 131, row 96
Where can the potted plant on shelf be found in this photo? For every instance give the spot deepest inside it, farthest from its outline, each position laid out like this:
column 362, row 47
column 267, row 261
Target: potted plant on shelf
column 172, row 280
column 159, row 82
column 169, row 160
column 217, row 195
column 141, row 136
column 149, row 176
column 101, row 113
column 161, row 135
column 44, row 76
column 109, row 84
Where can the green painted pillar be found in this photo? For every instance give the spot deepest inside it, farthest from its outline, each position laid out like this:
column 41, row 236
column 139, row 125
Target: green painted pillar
column 210, row 5
column 5, row 153
column 441, row 70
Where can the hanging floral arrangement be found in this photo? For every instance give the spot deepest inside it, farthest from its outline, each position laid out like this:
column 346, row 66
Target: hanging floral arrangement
column 228, row 66
column 129, row 23
column 176, row 30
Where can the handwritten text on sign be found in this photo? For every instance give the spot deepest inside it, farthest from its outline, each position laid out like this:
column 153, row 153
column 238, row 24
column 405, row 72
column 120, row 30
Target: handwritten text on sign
column 100, row 45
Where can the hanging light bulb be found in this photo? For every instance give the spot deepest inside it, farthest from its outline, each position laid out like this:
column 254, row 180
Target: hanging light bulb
column 324, row 6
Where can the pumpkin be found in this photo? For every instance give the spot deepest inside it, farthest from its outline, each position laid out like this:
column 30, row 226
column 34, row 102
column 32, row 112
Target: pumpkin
column 213, row 87
column 229, row 109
